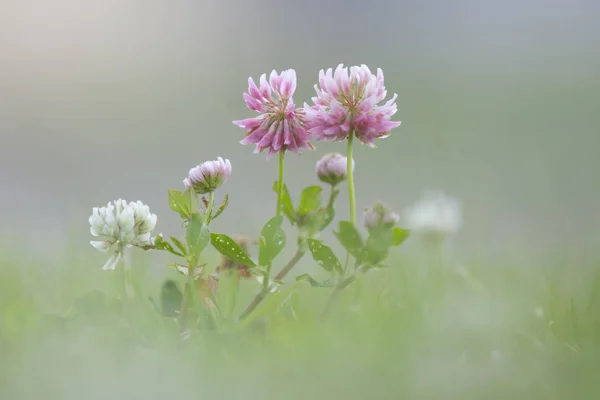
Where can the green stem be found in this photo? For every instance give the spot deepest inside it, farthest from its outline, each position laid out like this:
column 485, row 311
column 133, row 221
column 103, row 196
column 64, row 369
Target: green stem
column 209, row 208
column 188, row 294
column 190, row 286
column 349, row 172
column 127, row 275
column 280, row 186
column 184, row 308
column 331, row 197
column 263, row 293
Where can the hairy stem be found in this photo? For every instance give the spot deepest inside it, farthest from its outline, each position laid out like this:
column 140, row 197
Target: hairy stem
column 263, row 293
column 280, row 183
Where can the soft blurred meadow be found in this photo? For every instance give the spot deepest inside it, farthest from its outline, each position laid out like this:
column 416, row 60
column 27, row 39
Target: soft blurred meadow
column 119, row 98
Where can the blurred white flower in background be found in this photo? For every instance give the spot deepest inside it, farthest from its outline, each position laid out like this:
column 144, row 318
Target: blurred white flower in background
column 122, row 224
column 436, row 215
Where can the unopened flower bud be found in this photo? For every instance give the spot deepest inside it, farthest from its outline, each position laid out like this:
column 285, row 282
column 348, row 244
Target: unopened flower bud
column 332, row 168
column 380, row 216
column 208, row 176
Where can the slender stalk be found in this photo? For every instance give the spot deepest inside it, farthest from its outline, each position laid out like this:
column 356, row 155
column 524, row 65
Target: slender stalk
column 127, row 275
column 280, row 183
column 263, row 293
column 183, row 309
column 350, row 173
column 332, row 297
column 331, row 196
column 284, row 271
column 192, row 262
column 342, row 284
column 209, row 208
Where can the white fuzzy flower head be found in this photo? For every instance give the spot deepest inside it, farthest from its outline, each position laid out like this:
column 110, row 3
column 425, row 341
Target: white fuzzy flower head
column 379, row 215
column 208, row 176
column 332, row 168
column 436, row 215
column 121, row 224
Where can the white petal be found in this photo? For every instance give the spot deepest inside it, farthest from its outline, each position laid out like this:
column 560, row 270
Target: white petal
column 94, row 230
column 112, row 262
column 151, row 221
column 102, row 245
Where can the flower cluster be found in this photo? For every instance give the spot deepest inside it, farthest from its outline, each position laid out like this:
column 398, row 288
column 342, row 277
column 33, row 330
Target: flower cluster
column 347, row 103
column 122, row 224
column 332, row 168
column 208, row 176
column 280, row 126
column 378, row 216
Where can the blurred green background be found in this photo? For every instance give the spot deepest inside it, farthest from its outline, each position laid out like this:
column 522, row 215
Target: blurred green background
column 119, row 98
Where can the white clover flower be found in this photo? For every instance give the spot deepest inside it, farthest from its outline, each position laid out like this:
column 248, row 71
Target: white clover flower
column 436, row 215
column 122, row 224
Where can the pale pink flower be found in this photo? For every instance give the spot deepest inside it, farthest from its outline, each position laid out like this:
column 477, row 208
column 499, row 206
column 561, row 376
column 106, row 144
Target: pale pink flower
column 332, row 168
column 208, row 176
column 280, row 126
column 379, row 215
column 348, row 102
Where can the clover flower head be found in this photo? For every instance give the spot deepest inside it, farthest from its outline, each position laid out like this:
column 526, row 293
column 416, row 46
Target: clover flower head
column 379, row 215
column 332, row 168
column 122, row 224
column 208, row 176
column 347, row 102
column 280, row 125
column 435, row 215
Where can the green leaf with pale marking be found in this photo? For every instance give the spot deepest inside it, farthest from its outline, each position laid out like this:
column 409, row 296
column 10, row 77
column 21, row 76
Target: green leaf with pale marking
column 178, row 203
column 310, row 200
column 271, row 241
column 230, row 249
column 324, row 256
column 183, row 203
column 197, row 235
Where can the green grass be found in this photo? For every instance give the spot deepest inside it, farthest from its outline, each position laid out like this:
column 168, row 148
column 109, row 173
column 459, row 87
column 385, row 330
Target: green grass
column 409, row 331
